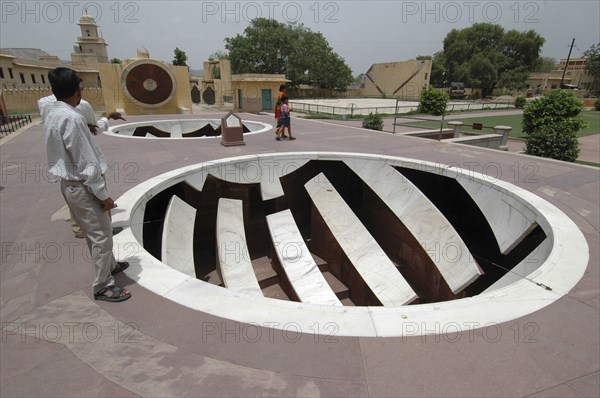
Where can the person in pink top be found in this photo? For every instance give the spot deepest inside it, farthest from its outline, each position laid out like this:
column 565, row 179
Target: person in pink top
column 285, row 120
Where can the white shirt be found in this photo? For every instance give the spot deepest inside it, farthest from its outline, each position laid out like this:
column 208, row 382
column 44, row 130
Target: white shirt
column 71, row 151
column 84, row 108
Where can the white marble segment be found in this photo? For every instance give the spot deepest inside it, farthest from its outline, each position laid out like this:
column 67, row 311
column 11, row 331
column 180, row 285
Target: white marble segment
column 232, row 249
column 422, row 218
column 522, row 270
column 178, row 236
column 252, row 170
column 273, row 170
column 510, row 220
column 363, row 251
column 561, row 269
column 176, row 130
column 305, row 277
column 145, row 267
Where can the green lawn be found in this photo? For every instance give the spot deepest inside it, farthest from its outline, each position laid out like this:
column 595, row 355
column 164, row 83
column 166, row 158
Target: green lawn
column 591, row 117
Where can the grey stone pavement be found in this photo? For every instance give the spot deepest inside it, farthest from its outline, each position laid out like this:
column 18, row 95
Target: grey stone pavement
column 58, row 341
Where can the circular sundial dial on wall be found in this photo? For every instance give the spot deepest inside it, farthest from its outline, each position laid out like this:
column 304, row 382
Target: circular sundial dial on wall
column 148, row 83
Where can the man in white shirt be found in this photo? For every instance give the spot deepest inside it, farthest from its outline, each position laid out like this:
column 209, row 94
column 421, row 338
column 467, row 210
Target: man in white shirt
column 45, row 104
column 85, row 109
column 77, row 162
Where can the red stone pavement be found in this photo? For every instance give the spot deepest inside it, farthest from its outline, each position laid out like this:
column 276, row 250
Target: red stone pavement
column 57, row 341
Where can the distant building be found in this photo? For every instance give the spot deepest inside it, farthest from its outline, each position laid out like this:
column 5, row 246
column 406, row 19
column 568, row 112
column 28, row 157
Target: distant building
column 249, row 92
column 90, row 47
column 575, row 77
column 398, row 79
column 145, row 86
column 580, row 79
column 538, row 82
column 27, row 68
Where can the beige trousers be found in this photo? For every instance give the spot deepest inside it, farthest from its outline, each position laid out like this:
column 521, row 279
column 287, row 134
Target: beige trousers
column 75, row 227
column 95, row 223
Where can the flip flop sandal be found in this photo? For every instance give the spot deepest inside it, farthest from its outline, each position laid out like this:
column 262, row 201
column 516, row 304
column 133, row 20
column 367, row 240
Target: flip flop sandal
column 121, row 266
column 111, row 293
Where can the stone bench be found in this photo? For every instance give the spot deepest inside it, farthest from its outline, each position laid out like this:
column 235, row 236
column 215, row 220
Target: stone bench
column 177, row 246
column 434, row 134
column 493, row 141
column 303, row 280
column 233, row 259
column 359, row 247
column 422, row 219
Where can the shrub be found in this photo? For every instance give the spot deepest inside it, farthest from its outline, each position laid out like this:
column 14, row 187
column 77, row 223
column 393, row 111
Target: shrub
column 597, row 104
column 556, row 141
column 433, row 101
column 520, row 102
column 557, row 107
column 552, row 123
column 373, row 122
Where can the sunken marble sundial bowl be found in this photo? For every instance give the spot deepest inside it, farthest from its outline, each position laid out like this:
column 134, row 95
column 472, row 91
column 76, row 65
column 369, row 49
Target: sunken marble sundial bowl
column 347, row 244
column 181, row 129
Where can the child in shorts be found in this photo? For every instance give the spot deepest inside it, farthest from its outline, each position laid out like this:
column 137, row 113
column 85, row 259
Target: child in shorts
column 284, row 120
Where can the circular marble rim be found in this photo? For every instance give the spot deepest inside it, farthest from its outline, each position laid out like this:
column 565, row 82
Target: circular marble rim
column 485, row 310
column 113, row 131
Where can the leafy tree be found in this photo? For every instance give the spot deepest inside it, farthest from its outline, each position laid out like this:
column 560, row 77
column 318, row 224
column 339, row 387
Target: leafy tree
column 304, row 56
column 545, row 65
column 359, row 78
column 592, row 65
column 552, row 123
column 180, row 57
column 116, row 61
column 433, row 101
column 438, row 70
column 485, row 56
column 217, row 55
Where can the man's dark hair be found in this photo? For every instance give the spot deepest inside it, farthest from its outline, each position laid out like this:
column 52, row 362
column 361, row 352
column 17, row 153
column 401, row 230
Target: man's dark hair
column 282, row 87
column 64, row 82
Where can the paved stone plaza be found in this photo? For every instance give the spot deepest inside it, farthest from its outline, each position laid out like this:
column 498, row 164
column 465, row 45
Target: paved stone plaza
column 58, row 341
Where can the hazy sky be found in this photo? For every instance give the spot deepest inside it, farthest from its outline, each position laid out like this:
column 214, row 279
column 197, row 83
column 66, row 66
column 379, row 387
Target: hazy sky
column 362, row 32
